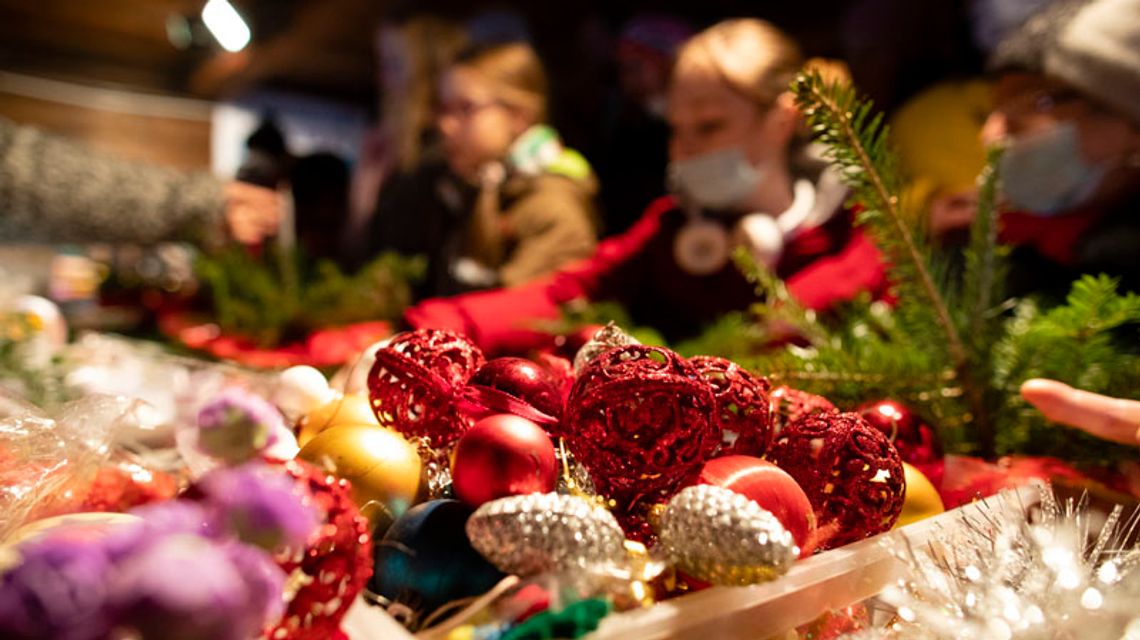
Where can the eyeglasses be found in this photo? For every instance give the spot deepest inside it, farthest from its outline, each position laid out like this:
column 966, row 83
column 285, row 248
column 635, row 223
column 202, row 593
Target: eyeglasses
column 464, row 109
column 1039, row 102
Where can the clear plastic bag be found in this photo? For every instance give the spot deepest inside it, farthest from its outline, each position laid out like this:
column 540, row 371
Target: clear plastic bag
column 47, row 463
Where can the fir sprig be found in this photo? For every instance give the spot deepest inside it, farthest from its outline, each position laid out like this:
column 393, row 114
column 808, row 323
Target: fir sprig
column 857, row 144
column 952, row 347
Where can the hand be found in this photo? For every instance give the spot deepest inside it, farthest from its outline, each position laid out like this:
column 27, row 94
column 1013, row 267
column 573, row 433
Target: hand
column 953, row 211
column 252, row 213
column 1107, row 418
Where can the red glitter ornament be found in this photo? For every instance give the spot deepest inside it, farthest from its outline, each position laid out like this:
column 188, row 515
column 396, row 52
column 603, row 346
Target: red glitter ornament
column 414, row 384
column 914, row 439
column 742, row 406
column 336, row 562
column 641, row 420
column 851, row 473
column 790, row 405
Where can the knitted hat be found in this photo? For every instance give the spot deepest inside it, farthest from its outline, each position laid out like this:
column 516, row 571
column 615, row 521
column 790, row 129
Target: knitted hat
column 1023, row 48
column 948, row 157
column 1098, row 52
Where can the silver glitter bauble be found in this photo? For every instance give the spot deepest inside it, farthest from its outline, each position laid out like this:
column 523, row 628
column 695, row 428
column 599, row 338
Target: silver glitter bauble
column 720, row 536
column 608, row 337
column 539, row 532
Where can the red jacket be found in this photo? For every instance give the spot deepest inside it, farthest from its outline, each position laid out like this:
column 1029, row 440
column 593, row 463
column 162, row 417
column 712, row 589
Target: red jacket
column 822, row 265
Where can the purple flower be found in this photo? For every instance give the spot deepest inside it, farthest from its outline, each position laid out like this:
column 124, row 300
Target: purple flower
column 185, row 587
column 237, row 425
column 261, row 505
column 57, row 591
column 161, row 519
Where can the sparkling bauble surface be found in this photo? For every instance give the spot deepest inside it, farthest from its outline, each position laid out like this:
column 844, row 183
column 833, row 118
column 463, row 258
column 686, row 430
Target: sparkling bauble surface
column 641, row 420
column 500, row 456
column 335, row 564
column 922, row 499
column 742, row 406
column 851, row 473
column 382, row 466
column 719, row 536
column 301, row 389
column 768, row 486
column 522, row 380
column 915, row 440
column 352, row 408
column 790, row 405
column 425, row 560
column 415, row 381
column 532, row 534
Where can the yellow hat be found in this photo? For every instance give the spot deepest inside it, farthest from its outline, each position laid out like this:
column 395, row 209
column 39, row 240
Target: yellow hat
column 936, row 134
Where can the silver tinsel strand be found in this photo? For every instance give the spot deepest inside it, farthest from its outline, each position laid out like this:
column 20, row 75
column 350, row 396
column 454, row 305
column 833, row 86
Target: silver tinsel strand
column 722, row 537
column 531, row 534
column 1051, row 571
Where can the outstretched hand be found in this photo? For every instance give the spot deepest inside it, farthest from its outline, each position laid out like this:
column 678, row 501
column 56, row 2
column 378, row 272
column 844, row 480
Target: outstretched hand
column 252, row 213
column 1114, row 419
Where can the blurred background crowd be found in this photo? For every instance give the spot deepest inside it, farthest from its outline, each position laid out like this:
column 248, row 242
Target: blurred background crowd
column 504, row 140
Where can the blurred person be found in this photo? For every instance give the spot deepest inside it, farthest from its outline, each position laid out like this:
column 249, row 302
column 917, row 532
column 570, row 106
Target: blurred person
column 55, row 190
column 741, row 174
column 400, row 159
column 525, row 201
column 635, row 149
column 1067, row 110
column 320, row 204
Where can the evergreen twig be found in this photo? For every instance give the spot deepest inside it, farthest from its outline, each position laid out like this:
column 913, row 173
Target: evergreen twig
column 837, row 117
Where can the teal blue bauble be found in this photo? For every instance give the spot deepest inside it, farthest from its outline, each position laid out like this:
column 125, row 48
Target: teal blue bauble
column 425, row 561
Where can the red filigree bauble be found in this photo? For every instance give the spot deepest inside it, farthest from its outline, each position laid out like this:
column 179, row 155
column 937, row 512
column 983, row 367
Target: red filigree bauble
column 851, row 473
column 336, row 562
column 641, row 420
column 914, row 439
column 413, row 386
column 791, row 405
column 742, row 406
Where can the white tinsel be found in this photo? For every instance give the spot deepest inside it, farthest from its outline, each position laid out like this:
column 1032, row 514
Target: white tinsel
column 1050, row 571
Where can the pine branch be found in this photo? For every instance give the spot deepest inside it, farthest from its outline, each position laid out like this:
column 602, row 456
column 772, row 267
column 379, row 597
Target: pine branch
column 985, row 273
column 838, row 118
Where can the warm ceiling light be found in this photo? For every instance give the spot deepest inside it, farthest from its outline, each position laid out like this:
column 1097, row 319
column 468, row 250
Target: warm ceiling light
column 226, row 25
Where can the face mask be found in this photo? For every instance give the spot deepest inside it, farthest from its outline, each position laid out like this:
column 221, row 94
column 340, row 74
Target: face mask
column 718, row 180
column 1045, row 174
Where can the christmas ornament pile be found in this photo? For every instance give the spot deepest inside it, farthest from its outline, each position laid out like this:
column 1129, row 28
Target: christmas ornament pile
column 542, row 467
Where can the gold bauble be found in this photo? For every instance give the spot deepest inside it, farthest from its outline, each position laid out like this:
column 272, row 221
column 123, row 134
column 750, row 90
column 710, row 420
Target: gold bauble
column 382, row 466
column 352, row 408
column 922, row 499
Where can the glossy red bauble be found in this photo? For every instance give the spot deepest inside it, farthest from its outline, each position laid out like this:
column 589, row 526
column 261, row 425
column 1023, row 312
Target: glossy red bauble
column 770, row 487
column 500, row 456
column 851, row 473
column 522, row 380
column 914, row 439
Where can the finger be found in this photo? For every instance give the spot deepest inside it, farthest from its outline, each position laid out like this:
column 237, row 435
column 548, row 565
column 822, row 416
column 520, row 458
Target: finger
column 1112, row 419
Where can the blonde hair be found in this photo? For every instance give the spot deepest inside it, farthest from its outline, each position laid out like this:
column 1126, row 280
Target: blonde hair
column 515, row 74
column 751, row 56
column 432, row 45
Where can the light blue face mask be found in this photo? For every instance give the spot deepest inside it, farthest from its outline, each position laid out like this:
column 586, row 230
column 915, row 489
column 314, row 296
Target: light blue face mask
column 718, row 180
column 1045, row 174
